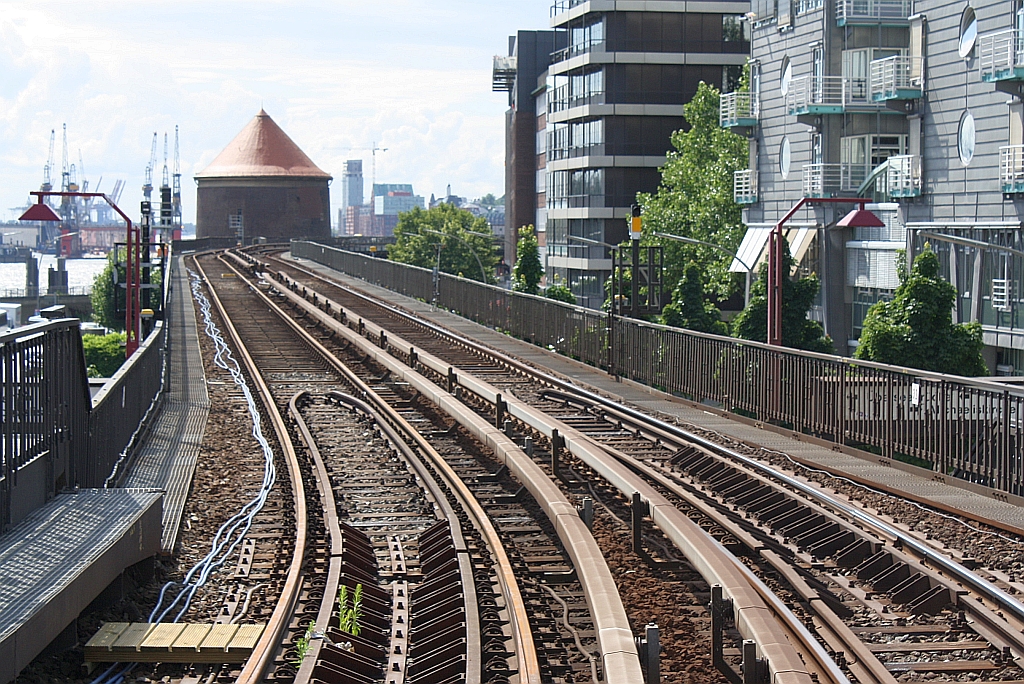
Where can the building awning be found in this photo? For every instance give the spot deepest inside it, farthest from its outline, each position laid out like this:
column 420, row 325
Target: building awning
column 752, row 250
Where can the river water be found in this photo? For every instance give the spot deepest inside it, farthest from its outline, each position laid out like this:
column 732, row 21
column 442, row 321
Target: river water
column 81, row 273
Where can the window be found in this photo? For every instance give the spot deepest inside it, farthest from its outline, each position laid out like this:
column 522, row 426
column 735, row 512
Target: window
column 785, row 159
column 968, row 32
column 857, row 69
column 966, row 138
column 787, row 76
column 864, row 153
column 755, row 76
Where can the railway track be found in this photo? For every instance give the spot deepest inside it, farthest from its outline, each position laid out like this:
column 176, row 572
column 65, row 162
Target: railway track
column 501, row 594
column 883, row 602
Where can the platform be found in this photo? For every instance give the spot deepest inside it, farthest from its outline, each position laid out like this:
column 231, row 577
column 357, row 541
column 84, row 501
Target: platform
column 168, row 455
column 914, row 483
column 61, row 557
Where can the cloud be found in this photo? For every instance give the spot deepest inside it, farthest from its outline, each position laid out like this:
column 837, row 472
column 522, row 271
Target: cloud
column 412, row 76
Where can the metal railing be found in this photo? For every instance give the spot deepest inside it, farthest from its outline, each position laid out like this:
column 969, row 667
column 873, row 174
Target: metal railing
column 583, row 48
column 904, row 176
column 896, row 78
column 874, row 10
column 561, row 6
column 738, row 109
column 563, row 99
column 828, row 180
column 1001, row 55
column 964, row 428
column 50, row 423
column 44, row 412
column 744, row 186
column 1011, row 168
column 816, row 95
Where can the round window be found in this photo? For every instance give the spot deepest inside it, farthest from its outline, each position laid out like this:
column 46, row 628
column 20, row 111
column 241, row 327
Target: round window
column 785, row 157
column 966, row 138
column 787, row 75
column 968, row 32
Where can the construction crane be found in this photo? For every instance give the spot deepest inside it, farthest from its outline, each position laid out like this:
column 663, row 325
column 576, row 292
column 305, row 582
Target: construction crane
column 147, row 189
column 373, row 150
column 165, row 194
column 176, row 192
column 47, row 185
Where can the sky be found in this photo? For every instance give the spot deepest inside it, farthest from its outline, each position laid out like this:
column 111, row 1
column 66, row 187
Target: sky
column 412, row 76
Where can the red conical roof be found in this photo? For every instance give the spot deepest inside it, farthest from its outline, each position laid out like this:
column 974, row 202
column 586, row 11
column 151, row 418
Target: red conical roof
column 262, row 149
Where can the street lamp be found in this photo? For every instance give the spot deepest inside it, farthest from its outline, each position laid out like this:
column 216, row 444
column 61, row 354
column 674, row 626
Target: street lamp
column 858, row 218
column 132, row 323
column 734, row 255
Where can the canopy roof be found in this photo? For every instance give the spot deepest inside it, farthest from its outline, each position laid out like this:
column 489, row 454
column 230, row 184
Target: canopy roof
column 262, row 150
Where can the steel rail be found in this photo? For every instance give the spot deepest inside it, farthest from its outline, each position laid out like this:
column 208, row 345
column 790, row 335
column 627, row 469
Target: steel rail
column 263, row 654
column 529, row 667
column 955, row 570
column 618, row 651
column 947, row 565
column 712, row 561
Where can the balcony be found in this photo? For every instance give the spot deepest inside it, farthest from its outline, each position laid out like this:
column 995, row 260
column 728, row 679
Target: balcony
column 832, row 180
column 578, row 49
column 737, row 110
column 503, row 76
column 1001, row 56
column 561, row 6
column 886, row 12
column 821, row 95
column 904, row 177
column 1011, row 169
column 744, row 186
column 562, row 98
column 896, row 78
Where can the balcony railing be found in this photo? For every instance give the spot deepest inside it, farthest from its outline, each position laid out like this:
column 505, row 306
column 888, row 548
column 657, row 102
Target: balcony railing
column 896, row 78
column 817, row 95
column 564, row 6
column 579, row 49
column 1011, row 168
column 563, row 99
column 872, row 11
column 744, row 186
column 1001, row 56
column 830, row 180
column 738, row 109
column 904, row 177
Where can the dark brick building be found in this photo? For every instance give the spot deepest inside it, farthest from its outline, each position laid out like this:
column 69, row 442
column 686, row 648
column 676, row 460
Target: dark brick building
column 263, row 185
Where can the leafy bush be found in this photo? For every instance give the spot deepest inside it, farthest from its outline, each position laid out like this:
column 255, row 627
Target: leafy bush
column 560, row 293
column 104, row 354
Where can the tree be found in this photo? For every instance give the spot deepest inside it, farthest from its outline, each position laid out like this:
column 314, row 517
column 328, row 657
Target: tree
column 916, row 328
column 104, row 354
column 489, row 201
column 695, row 198
column 560, row 293
column 104, row 290
column 465, row 246
column 689, row 309
column 527, row 272
column 107, row 297
column 798, row 331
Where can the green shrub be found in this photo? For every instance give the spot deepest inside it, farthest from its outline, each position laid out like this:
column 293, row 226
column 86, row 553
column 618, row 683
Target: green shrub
column 104, row 354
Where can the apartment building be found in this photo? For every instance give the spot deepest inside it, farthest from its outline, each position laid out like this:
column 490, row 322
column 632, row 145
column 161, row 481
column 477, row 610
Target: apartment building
column 915, row 104
column 605, row 106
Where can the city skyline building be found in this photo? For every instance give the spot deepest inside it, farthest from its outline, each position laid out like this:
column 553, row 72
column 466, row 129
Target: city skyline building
column 351, row 194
